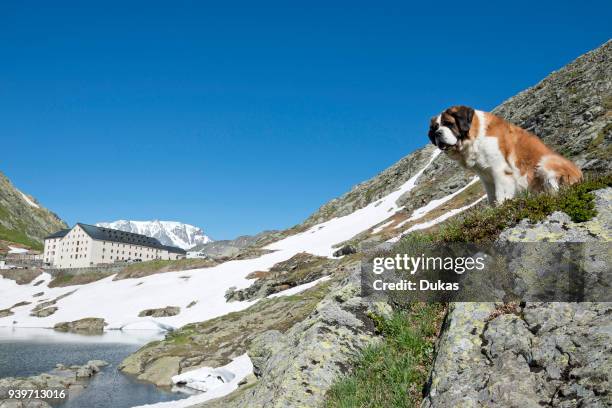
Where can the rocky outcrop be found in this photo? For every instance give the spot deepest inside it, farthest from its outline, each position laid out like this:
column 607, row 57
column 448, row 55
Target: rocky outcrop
column 22, row 219
column 299, row 269
column 345, row 250
column 532, row 354
column 216, row 342
column 46, row 307
column 21, row 276
column 24, row 404
column 9, row 312
column 47, row 311
column 225, row 249
column 62, row 378
column 296, row 368
column 160, row 312
column 86, row 325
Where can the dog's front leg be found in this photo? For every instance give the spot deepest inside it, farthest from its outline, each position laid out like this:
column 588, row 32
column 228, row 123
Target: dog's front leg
column 505, row 188
column 490, row 190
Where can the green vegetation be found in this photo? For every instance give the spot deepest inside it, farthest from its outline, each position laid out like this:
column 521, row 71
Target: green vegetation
column 19, row 237
column 140, row 269
column 65, row 279
column 392, row 373
column 483, row 224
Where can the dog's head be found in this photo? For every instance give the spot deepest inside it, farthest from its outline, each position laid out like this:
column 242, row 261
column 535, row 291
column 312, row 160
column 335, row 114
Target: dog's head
column 449, row 129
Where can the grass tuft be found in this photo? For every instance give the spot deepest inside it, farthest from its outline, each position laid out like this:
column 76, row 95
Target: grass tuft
column 392, row 373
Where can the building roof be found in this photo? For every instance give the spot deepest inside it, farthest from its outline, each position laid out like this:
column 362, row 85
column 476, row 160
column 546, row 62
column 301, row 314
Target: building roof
column 113, row 235
column 174, row 250
column 59, row 234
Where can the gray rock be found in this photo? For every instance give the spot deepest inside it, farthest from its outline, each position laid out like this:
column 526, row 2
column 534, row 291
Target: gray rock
column 44, row 312
column 24, row 404
column 345, row 250
column 88, row 324
column 551, row 354
column 62, row 378
column 161, row 312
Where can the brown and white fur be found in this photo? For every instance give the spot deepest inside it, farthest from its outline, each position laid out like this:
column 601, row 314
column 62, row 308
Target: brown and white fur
column 507, row 158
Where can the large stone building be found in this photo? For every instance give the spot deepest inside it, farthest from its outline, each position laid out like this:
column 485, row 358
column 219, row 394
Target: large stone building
column 87, row 245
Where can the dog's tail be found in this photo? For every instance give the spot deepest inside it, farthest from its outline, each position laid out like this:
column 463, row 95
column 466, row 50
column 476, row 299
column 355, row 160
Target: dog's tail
column 555, row 171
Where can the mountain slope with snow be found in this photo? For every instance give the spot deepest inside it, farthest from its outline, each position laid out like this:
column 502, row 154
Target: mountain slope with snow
column 24, row 220
column 120, row 302
column 172, row 233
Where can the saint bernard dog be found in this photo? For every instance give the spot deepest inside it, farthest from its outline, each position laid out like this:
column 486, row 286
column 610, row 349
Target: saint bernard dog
column 507, row 158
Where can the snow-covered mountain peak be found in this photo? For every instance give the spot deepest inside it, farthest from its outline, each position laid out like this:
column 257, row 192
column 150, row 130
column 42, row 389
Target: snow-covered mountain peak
column 173, row 233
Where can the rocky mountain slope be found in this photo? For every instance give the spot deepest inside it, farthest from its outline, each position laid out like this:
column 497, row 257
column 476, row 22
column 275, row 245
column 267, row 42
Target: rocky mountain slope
column 172, row 233
column 231, row 247
column 22, row 219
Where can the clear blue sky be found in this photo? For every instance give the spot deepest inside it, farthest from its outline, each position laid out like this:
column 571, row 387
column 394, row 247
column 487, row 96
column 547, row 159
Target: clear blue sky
column 244, row 116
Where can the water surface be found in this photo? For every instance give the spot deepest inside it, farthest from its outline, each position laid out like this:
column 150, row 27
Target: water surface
column 26, row 352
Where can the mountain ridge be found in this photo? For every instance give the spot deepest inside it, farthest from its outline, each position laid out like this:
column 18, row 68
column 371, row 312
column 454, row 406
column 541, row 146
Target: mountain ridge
column 173, row 233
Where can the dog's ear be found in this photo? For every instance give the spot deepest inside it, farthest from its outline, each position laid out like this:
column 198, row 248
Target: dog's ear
column 463, row 117
column 433, row 126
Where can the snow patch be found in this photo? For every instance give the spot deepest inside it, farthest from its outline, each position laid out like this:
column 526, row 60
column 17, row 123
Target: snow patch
column 214, row 382
column 15, row 250
column 431, row 223
column 433, row 204
column 300, row 288
column 382, row 227
column 28, row 200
